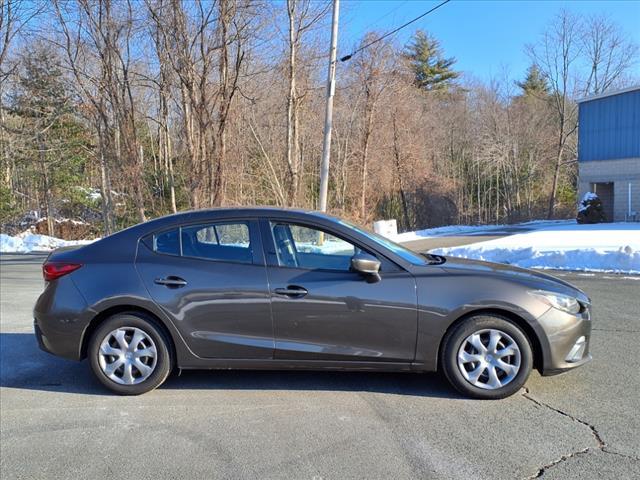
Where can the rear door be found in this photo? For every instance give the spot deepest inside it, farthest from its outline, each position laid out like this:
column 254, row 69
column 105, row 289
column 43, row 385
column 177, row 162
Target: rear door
column 210, row 278
column 324, row 311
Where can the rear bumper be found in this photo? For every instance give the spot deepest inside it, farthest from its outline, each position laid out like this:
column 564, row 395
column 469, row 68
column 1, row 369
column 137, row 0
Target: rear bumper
column 569, row 338
column 41, row 339
column 61, row 345
column 60, row 319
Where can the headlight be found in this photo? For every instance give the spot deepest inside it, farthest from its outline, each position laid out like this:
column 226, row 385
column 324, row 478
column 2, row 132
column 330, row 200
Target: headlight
column 557, row 300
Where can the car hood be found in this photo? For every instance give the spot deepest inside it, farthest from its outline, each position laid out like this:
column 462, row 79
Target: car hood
column 530, row 278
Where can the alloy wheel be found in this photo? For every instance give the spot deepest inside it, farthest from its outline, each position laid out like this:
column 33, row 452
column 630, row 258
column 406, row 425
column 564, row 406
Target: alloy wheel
column 489, row 359
column 127, row 355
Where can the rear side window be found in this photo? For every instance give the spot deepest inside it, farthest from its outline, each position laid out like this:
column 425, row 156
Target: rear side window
column 167, row 242
column 229, row 234
column 227, row 242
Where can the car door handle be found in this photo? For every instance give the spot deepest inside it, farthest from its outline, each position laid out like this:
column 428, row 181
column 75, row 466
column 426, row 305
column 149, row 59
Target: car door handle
column 293, row 291
column 171, row 282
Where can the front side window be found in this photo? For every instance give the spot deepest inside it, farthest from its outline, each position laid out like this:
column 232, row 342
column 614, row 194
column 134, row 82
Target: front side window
column 306, row 247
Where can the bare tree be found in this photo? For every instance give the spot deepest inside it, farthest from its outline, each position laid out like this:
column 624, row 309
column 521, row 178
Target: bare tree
column 164, row 84
column 97, row 39
column 557, row 55
column 15, row 15
column 302, row 15
column 373, row 70
column 608, row 52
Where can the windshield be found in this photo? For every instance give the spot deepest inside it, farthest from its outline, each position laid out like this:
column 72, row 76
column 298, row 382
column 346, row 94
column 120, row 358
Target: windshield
column 408, row 255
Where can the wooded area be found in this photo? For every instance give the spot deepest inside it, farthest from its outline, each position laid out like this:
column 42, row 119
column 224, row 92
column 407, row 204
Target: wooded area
column 117, row 111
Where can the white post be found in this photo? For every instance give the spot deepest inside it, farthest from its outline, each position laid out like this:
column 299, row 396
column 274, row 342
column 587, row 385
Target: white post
column 629, row 201
column 328, row 118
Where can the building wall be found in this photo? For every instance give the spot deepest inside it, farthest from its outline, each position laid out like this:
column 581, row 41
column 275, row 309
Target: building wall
column 609, row 127
column 621, row 173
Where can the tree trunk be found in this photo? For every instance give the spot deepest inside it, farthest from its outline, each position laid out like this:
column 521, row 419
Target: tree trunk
column 558, row 162
column 172, row 187
column 365, row 153
column 292, row 109
column 106, row 197
column 554, row 186
column 217, row 174
column 138, row 182
column 46, row 186
column 105, row 186
column 398, row 162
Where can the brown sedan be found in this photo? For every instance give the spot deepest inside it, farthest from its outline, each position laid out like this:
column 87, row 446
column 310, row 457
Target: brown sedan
column 266, row 288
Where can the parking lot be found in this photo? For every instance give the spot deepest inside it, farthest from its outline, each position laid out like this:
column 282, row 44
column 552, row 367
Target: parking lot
column 58, row 422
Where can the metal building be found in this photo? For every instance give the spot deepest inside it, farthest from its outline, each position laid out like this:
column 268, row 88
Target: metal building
column 609, row 151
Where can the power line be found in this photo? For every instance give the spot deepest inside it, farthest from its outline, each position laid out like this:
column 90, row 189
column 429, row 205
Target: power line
column 348, row 57
column 370, row 26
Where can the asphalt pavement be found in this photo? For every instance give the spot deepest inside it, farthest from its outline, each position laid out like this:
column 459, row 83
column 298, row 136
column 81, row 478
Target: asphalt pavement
column 56, row 421
column 472, row 235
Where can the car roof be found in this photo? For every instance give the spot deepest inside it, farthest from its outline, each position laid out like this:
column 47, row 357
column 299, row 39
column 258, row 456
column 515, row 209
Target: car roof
column 258, row 211
column 251, row 210
column 206, row 214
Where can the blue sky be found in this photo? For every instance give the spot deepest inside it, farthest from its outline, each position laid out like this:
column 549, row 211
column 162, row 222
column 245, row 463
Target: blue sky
column 486, row 37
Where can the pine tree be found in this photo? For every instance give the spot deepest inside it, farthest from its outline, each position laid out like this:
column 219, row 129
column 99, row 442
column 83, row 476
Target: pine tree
column 49, row 135
column 431, row 69
column 534, row 84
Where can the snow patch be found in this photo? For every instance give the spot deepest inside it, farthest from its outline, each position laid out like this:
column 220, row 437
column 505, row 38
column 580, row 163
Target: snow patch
column 605, row 247
column 589, row 196
column 27, row 242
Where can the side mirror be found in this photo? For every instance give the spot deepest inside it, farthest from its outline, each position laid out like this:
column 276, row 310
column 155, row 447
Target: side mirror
column 367, row 265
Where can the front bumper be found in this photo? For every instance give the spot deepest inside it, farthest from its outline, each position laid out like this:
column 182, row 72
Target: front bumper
column 565, row 333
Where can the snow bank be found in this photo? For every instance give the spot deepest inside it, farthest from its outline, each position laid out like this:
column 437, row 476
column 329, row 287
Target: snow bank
column 31, row 242
column 605, row 247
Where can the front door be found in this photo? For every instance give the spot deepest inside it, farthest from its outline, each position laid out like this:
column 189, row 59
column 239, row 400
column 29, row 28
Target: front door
column 324, row 311
column 211, row 280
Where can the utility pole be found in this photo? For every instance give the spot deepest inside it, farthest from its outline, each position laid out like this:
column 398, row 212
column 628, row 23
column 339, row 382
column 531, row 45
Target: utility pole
column 328, row 117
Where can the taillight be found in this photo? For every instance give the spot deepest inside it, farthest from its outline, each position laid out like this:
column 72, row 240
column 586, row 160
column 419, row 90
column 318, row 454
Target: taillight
column 53, row 270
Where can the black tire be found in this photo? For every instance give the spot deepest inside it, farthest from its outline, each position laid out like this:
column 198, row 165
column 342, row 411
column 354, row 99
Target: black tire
column 453, row 341
column 163, row 359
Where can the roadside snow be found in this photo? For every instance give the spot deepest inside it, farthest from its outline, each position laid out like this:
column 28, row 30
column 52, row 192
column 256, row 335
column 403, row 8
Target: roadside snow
column 27, row 242
column 604, row 247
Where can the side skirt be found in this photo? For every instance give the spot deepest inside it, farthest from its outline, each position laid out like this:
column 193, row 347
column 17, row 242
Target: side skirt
column 272, row 364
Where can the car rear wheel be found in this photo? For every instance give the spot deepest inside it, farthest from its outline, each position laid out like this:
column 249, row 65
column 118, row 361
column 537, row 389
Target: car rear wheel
column 487, row 356
column 129, row 354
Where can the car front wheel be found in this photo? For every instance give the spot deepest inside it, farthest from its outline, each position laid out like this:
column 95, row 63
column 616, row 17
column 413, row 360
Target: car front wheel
column 129, row 354
column 487, row 357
